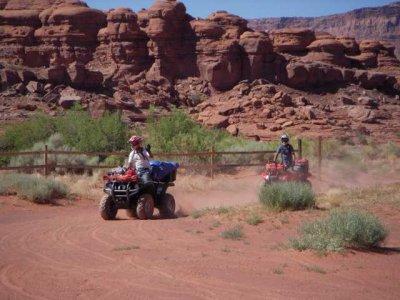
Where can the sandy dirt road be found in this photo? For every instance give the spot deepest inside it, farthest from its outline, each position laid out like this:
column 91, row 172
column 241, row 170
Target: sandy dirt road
column 71, row 253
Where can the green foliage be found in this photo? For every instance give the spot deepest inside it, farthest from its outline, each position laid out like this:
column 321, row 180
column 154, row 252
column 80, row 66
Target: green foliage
column 78, row 129
column 24, row 135
column 178, row 133
column 84, row 133
column 287, row 196
column 341, row 229
column 234, row 233
column 32, row 187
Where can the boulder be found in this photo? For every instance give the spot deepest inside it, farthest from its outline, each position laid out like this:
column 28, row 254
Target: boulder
column 291, row 40
column 217, row 121
column 68, row 98
column 34, row 87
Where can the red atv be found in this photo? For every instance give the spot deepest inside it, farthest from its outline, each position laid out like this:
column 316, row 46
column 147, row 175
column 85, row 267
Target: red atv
column 275, row 172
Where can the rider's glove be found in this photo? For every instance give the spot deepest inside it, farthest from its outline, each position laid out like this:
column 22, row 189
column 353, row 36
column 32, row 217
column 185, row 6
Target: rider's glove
column 148, row 147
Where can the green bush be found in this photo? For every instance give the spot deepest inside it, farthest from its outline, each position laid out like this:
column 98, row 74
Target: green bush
column 341, row 229
column 84, row 133
column 24, row 135
column 287, row 196
column 32, row 187
column 77, row 128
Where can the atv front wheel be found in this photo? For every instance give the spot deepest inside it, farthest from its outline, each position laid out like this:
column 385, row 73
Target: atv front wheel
column 108, row 208
column 167, row 208
column 145, row 207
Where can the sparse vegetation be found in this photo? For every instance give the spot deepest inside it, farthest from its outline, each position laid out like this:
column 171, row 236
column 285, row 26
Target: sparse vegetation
column 32, row 187
column 126, row 248
column 315, row 269
column 198, row 213
column 224, row 210
column 287, row 196
column 278, row 271
column 341, row 229
column 234, row 233
column 254, row 219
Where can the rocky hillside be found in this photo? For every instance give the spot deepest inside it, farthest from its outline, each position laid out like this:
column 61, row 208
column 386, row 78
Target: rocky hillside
column 365, row 23
column 56, row 53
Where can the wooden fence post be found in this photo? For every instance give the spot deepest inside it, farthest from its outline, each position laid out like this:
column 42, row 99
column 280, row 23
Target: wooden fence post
column 319, row 156
column 300, row 147
column 212, row 163
column 46, row 167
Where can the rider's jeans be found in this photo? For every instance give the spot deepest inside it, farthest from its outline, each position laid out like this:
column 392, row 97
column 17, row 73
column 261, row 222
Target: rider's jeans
column 145, row 175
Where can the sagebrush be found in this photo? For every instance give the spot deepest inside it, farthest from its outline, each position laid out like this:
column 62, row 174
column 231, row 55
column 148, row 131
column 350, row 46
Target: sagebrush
column 343, row 228
column 34, row 188
column 287, row 196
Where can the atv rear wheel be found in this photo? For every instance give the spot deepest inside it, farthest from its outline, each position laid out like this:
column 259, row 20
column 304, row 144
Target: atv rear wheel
column 108, row 208
column 145, row 207
column 167, row 207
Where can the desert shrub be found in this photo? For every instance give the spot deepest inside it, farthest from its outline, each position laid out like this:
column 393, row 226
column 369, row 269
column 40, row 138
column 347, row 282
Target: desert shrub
column 234, row 233
column 32, row 187
column 178, row 133
column 287, row 196
column 341, row 229
column 78, row 129
column 25, row 134
column 84, row 133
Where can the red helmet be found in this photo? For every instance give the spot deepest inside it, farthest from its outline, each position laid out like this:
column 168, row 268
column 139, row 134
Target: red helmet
column 135, row 140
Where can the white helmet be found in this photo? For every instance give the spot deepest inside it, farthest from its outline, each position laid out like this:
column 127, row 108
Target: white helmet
column 285, row 138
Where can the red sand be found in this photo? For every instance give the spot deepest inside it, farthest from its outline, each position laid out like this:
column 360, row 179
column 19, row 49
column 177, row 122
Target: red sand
column 69, row 252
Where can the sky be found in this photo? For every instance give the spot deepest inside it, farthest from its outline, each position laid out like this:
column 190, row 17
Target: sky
column 253, row 8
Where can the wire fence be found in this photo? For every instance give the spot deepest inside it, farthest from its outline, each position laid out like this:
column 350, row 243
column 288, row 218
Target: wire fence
column 210, row 161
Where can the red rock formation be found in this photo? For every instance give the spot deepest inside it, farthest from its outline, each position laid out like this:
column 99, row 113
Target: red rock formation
column 291, row 40
column 378, row 22
column 122, row 42
column 171, row 42
column 68, row 34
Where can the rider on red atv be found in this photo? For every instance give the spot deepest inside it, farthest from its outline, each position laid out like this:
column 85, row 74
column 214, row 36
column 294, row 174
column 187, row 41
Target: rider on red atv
column 286, row 151
column 139, row 159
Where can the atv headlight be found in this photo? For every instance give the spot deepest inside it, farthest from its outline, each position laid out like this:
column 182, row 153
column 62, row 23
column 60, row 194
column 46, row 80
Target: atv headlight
column 108, row 191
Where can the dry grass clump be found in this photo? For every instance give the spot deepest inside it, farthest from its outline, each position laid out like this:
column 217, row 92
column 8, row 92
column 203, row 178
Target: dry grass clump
column 34, row 188
column 84, row 186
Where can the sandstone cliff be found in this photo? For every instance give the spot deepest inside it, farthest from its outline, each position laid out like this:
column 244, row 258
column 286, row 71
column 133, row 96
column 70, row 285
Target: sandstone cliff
column 378, row 22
